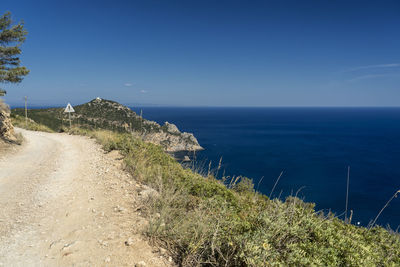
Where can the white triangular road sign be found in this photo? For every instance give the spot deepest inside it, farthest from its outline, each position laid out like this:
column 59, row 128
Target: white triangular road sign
column 69, row 108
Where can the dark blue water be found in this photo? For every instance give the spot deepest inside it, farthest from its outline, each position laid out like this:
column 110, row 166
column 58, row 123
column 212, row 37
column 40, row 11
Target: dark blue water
column 313, row 146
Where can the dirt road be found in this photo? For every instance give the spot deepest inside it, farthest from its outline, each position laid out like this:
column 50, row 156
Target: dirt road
column 64, row 202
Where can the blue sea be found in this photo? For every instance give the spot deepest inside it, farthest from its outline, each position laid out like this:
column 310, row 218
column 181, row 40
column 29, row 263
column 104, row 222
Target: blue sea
column 312, row 146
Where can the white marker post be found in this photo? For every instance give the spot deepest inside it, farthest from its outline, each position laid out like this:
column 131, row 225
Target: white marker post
column 26, row 112
column 68, row 110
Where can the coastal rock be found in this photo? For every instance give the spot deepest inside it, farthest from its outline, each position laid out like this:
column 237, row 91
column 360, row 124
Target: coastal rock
column 171, row 128
column 110, row 114
column 173, row 142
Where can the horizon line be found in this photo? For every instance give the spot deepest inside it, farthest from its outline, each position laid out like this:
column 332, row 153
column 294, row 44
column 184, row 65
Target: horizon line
column 196, row 106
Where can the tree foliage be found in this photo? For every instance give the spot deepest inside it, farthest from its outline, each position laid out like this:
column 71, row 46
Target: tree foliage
column 11, row 39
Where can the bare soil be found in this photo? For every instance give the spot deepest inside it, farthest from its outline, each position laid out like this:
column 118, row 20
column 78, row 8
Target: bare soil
column 65, row 202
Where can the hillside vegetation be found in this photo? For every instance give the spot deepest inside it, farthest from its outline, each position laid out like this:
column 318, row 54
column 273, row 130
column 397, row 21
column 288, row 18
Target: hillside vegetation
column 95, row 114
column 29, row 124
column 206, row 221
column 110, row 115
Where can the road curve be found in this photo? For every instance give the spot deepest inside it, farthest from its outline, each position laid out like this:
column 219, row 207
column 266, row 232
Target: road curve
column 58, row 199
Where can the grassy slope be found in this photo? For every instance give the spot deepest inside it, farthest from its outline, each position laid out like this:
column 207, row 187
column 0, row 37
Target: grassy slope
column 51, row 118
column 204, row 221
column 20, row 122
column 104, row 115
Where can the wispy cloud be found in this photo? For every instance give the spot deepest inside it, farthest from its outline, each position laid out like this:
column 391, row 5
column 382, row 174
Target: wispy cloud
column 378, row 66
column 367, row 72
column 372, row 76
column 143, row 91
column 128, row 84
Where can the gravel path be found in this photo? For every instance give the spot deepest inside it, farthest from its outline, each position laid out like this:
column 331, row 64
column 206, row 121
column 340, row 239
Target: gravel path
column 64, row 202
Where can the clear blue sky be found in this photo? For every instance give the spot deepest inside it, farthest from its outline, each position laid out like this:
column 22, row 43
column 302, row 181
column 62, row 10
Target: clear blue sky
column 210, row 53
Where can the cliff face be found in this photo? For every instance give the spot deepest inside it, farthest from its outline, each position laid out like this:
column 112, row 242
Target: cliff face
column 6, row 128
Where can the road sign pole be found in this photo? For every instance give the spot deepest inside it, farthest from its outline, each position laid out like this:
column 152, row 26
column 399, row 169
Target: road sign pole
column 69, row 109
column 26, row 111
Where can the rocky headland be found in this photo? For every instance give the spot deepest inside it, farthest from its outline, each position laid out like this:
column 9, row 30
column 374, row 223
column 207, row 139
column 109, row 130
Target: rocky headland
column 106, row 114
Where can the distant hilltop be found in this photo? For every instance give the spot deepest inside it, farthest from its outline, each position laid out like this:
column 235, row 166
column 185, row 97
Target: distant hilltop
column 110, row 115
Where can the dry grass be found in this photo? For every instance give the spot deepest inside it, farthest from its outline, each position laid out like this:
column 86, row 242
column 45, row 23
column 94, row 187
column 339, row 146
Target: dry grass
column 20, row 122
column 384, row 207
